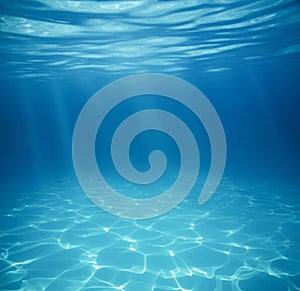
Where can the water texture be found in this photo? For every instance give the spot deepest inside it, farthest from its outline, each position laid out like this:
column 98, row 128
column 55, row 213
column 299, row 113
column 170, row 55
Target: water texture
column 48, row 39
column 243, row 55
column 58, row 240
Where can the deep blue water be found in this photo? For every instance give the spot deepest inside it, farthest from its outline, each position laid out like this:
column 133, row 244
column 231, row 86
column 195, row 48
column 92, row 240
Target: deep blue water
column 244, row 56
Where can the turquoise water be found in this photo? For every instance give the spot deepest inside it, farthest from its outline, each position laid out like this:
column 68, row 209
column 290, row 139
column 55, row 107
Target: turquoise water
column 60, row 241
column 56, row 239
column 245, row 57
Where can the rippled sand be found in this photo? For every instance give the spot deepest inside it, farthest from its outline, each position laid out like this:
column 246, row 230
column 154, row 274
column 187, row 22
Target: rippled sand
column 245, row 238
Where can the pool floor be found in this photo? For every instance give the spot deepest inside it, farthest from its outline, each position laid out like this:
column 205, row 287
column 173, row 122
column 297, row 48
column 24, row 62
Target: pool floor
column 247, row 237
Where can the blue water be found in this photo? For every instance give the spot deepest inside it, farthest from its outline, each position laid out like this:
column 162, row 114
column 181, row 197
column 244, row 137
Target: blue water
column 244, row 56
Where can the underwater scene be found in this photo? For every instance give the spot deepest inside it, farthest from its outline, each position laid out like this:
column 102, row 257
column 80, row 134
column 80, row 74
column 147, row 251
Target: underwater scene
column 150, row 145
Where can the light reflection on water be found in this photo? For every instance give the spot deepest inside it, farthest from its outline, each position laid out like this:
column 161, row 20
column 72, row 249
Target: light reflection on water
column 56, row 239
column 53, row 38
column 245, row 238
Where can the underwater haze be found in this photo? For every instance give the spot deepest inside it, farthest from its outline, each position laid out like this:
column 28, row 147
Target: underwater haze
column 243, row 55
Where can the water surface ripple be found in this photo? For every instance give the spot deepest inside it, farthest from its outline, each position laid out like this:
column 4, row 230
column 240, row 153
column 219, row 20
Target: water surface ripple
column 48, row 38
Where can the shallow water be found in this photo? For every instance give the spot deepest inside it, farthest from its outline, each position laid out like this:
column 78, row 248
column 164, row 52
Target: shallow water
column 245, row 238
column 245, row 58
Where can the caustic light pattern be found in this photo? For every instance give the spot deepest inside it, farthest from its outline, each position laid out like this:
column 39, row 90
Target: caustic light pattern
column 56, row 239
column 97, row 108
